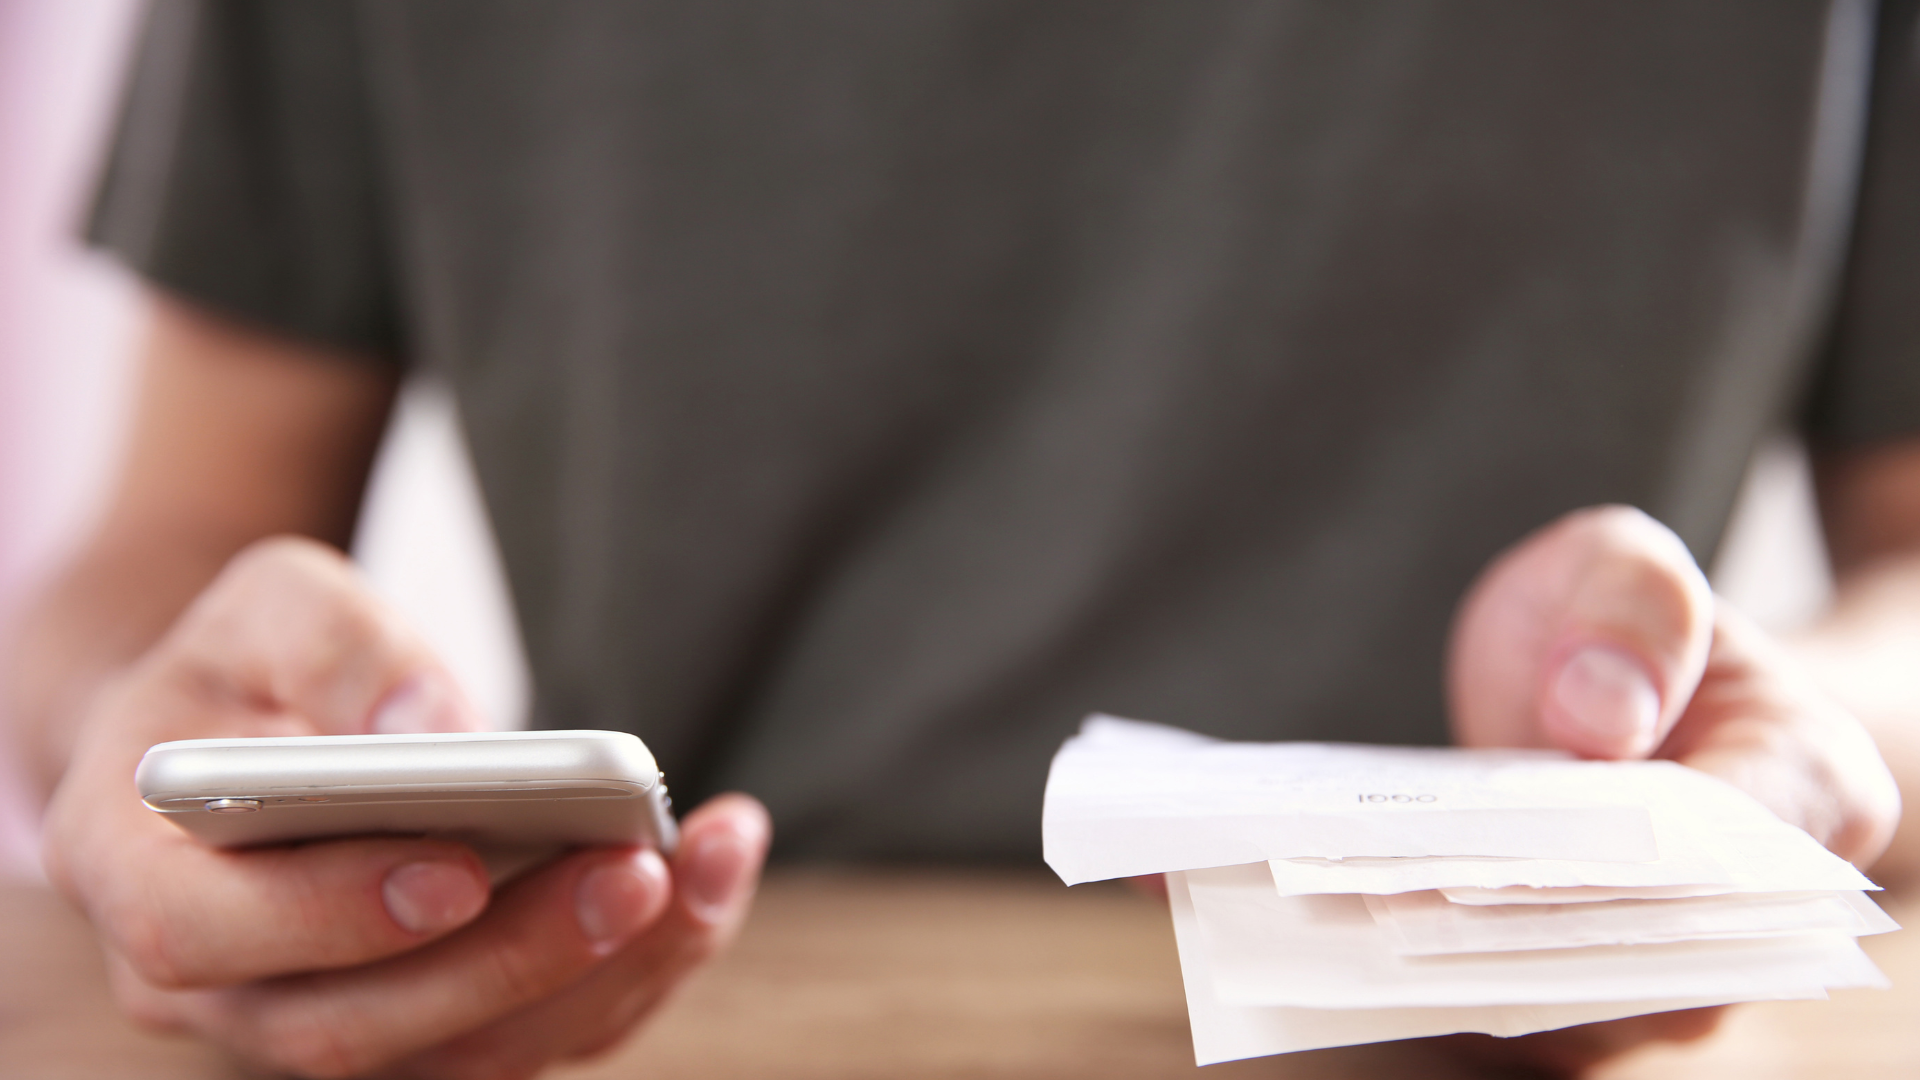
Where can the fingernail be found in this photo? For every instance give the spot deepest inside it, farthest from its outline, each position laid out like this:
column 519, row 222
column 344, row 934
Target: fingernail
column 715, row 872
column 423, row 703
column 616, row 899
column 428, row 897
column 1608, row 696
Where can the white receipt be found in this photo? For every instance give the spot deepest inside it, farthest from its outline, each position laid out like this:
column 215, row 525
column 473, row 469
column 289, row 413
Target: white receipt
column 1328, row 952
column 1327, row 894
column 1428, row 924
column 1709, row 833
column 1126, row 798
column 1582, row 894
column 1223, row 1032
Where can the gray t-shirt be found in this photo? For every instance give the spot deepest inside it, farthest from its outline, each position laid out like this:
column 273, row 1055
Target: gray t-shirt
column 862, row 392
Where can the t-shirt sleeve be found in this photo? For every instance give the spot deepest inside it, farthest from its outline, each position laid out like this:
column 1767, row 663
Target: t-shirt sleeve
column 244, row 175
column 1868, row 389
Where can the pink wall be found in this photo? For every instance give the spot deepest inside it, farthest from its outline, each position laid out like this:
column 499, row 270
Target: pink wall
column 67, row 316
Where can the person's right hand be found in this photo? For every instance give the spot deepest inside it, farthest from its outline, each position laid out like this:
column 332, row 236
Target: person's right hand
column 385, row 956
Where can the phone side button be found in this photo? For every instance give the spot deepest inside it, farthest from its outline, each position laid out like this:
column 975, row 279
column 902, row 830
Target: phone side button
column 232, row 806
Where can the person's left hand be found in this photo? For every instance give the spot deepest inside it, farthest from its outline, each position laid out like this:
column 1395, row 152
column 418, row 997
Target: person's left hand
column 1599, row 635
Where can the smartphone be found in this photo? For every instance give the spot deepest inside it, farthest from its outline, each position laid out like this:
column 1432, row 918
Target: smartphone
column 511, row 794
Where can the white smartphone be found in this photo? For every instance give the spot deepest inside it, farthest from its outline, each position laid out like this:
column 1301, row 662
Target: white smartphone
column 511, row 793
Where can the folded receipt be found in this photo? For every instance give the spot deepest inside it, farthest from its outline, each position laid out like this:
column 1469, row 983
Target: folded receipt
column 1332, row 894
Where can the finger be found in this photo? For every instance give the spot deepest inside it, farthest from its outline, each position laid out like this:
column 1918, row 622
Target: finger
column 290, row 628
column 1590, row 635
column 540, row 935
column 1761, row 724
column 1151, row 886
column 185, row 914
column 211, row 918
column 723, row 845
column 1572, row 1051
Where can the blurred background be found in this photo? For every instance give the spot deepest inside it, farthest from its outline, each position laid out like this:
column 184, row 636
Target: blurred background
column 70, row 321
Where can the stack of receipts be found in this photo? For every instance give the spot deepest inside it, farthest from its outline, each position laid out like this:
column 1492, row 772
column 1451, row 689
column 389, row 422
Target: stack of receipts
column 1328, row 894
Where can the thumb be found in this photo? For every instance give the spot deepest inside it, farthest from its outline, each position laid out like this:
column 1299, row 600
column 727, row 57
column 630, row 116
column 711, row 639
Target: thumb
column 290, row 629
column 1589, row 635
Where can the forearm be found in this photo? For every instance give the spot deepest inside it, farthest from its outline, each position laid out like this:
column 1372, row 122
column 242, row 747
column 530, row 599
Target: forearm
column 1866, row 652
column 236, row 436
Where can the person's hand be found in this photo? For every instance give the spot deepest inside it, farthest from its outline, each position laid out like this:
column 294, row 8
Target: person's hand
column 1599, row 635
column 371, row 956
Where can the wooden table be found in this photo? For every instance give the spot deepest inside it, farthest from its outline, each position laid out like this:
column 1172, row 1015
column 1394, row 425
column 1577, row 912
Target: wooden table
column 933, row 975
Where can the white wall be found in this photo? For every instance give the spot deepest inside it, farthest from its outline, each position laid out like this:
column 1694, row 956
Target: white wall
column 67, row 317
column 425, row 544
column 1773, row 562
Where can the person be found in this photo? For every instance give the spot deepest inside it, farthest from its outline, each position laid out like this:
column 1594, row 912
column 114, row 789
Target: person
column 864, row 392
